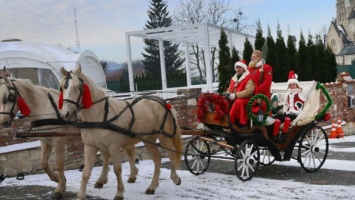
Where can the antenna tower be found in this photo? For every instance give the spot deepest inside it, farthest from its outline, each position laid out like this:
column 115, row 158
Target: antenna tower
column 78, row 50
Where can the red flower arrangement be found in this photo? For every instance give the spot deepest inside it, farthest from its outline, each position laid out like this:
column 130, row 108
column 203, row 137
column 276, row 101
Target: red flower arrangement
column 214, row 103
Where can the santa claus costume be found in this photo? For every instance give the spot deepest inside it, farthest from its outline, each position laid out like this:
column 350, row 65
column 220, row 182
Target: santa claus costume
column 262, row 77
column 295, row 99
column 241, row 88
column 235, row 82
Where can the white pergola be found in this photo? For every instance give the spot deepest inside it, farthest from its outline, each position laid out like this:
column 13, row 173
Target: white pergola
column 200, row 34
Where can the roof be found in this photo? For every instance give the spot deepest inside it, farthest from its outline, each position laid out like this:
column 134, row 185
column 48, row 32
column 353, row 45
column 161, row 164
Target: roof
column 349, row 48
column 192, row 34
column 341, row 32
column 23, row 54
column 345, row 77
column 201, row 34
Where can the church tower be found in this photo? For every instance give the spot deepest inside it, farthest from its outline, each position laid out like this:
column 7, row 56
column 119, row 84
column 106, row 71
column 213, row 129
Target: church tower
column 341, row 33
column 345, row 11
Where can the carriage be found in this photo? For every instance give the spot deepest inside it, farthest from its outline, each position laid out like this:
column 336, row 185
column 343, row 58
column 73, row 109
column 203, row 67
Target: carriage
column 305, row 141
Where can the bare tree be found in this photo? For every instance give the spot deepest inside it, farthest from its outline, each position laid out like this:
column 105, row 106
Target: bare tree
column 217, row 12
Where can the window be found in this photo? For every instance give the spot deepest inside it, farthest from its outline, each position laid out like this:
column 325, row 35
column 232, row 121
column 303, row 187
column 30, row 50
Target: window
column 42, row 77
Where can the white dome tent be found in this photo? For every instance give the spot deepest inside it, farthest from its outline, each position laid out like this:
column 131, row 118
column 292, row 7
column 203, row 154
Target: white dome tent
column 41, row 63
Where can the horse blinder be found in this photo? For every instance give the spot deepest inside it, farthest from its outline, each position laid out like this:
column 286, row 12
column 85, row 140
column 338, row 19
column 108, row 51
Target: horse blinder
column 11, row 98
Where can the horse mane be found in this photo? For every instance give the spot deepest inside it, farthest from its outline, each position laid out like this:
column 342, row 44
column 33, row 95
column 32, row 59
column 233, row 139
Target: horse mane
column 3, row 90
column 27, row 85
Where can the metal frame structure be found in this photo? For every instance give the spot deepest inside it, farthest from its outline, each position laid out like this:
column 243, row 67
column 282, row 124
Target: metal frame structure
column 202, row 34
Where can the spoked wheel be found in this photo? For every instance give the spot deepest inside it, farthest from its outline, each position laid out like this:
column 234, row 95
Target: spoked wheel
column 247, row 160
column 266, row 158
column 313, row 149
column 197, row 156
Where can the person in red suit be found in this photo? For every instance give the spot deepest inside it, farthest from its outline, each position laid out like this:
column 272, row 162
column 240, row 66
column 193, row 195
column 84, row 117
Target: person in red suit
column 261, row 74
column 240, row 90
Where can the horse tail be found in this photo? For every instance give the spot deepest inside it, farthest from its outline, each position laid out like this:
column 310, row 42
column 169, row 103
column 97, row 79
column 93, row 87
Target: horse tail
column 177, row 139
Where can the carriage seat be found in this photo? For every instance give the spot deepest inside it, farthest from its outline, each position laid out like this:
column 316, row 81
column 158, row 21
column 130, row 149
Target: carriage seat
column 309, row 112
column 310, row 109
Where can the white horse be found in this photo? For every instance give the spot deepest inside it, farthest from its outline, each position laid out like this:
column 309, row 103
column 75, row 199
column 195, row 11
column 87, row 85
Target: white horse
column 111, row 124
column 42, row 104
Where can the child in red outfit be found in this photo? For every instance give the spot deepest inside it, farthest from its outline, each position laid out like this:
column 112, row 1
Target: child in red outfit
column 295, row 99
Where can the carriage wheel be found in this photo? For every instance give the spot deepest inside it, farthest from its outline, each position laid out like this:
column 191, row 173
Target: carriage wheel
column 247, row 160
column 313, row 149
column 197, row 156
column 266, row 158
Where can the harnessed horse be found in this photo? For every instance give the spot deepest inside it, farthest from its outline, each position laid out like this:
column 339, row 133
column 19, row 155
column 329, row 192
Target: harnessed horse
column 39, row 105
column 109, row 124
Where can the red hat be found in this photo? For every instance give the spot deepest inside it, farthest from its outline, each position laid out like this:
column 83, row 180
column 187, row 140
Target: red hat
column 292, row 77
column 241, row 63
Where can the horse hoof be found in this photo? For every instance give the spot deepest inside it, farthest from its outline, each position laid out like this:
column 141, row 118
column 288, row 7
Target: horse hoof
column 99, row 185
column 131, row 180
column 149, row 191
column 179, row 182
column 118, row 198
column 57, row 195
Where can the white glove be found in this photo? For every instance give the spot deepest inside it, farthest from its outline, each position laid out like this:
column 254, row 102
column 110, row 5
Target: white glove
column 232, row 96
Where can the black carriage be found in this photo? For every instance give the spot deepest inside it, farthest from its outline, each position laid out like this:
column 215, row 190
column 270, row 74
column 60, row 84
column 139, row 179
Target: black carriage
column 305, row 141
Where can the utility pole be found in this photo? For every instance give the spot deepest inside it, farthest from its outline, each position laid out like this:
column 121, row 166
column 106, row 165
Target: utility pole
column 78, row 50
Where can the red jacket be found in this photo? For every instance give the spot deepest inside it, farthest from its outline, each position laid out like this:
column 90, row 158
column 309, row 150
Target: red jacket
column 244, row 90
column 263, row 87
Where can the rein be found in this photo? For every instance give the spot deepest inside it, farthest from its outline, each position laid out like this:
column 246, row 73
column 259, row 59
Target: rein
column 55, row 121
column 107, row 123
column 12, row 97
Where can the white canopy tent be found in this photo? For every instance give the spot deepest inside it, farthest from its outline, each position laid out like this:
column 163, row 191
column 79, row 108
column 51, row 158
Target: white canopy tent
column 41, row 63
column 206, row 34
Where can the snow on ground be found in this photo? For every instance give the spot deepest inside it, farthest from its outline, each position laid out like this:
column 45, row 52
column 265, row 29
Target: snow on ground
column 208, row 185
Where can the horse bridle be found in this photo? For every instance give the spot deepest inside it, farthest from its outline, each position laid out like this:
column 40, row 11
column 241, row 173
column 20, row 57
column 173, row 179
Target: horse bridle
column 11, row 98
column 76, row 103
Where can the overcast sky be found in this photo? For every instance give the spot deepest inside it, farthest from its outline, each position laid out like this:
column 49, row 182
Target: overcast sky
column 102, row 24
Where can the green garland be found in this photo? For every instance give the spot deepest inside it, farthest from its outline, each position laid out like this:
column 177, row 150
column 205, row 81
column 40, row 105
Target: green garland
column 321, row 114
column 251, row 115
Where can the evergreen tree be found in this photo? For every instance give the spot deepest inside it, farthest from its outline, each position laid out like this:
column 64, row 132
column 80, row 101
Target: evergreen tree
column 259, row 39
column 224, row 62
column 313, row 59
column 303, row 59
column 330, row 69
column 280, row 50
column 234, row 58
column 248, row 50
column 291, row 54
column 158, row 18
column 271, row 56
column 319, row 64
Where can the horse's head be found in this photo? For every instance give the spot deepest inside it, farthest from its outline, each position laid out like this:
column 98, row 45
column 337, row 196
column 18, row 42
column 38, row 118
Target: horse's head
column 75, row 95
column 8, row 102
